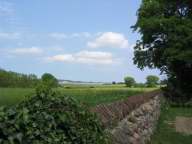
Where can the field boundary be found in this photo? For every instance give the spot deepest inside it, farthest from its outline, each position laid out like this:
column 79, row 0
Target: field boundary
column 112, row 113
column 131, row 121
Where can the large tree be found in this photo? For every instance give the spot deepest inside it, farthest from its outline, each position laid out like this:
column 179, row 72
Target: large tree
column 166, row 42
column 129, row 81
column 49, row 80
column 152, row 80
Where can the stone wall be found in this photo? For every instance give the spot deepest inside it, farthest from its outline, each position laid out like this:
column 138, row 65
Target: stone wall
column 139, row 125
column 131, row 121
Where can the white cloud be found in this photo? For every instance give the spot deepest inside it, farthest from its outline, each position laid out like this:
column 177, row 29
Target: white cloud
column 85, row 57
column 61, row 58
column 79, row 35
column 6, row 8
column 27, row 51
column 6, row 35
column 94, row 57
column 59, row 36
column 109, row 39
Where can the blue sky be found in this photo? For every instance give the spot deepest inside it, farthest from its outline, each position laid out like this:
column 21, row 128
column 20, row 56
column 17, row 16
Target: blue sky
column 89, row 40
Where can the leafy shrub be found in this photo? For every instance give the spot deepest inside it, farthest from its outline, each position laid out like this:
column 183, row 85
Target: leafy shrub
column 49, row 119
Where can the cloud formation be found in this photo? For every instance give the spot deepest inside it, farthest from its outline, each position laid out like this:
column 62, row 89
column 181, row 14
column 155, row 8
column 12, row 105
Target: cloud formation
column 109, row 39
column 94, row 57
column 6, row 35
column 27, row 51
column 85, row 57
column 61, row 36
column 6, row 8
column 61, row 58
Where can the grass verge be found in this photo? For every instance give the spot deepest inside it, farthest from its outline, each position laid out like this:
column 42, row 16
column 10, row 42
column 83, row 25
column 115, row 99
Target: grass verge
column 165, row 132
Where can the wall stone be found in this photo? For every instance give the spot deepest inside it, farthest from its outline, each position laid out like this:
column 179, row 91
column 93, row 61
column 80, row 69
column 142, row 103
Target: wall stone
column 111, row 114
column 133, row 120
column 139, row 125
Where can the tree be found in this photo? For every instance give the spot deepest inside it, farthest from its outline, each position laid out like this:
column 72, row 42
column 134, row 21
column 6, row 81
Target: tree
column 129, row 81
column 152, row 81
column 113, row 82
column 13, row 79
column 166, row 32
column 49, row 80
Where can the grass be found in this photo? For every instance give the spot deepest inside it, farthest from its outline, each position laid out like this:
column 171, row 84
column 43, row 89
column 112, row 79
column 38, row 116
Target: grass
column 89, row 94
column 94, row 96
column 11, row 96
column 165, row 133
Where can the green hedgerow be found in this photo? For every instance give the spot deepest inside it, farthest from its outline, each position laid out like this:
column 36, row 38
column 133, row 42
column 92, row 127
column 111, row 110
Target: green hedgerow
column 50, row 119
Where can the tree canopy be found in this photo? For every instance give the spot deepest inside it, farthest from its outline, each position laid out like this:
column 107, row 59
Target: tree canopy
column 166, row 40
column 152, row 81
column 129, row 81
column 49, row 80
column 13, row 79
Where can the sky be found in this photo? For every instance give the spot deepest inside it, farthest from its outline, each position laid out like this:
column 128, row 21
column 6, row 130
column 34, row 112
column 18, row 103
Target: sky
column 87, row 40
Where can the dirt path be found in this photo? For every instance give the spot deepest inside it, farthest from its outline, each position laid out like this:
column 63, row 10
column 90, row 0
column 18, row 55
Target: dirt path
column 183, row 125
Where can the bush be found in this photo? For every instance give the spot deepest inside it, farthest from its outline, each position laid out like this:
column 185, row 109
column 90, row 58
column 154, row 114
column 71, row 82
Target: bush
column 129, row 81
column 49, row 119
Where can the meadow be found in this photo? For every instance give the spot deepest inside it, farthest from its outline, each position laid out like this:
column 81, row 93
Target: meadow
column 90, row 95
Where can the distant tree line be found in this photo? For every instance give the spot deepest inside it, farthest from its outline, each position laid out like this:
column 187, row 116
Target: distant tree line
column 151, row 81
column 14, row 79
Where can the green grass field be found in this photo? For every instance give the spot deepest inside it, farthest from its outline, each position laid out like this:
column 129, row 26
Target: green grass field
column 165, row 133
column 89, row 94
column 97, row 94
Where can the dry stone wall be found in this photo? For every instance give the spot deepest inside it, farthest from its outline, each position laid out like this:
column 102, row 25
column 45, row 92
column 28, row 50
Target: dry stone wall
column 139, row 125
column 131, row 121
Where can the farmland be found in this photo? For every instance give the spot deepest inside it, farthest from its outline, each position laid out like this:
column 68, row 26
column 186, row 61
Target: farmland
column 88, row 94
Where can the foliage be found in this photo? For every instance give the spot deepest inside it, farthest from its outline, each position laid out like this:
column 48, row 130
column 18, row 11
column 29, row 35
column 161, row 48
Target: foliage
column 13, row 79
column 49, row 80
column 129, row 81
column 152, row 81
column 49, row 119
column 166, row 33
